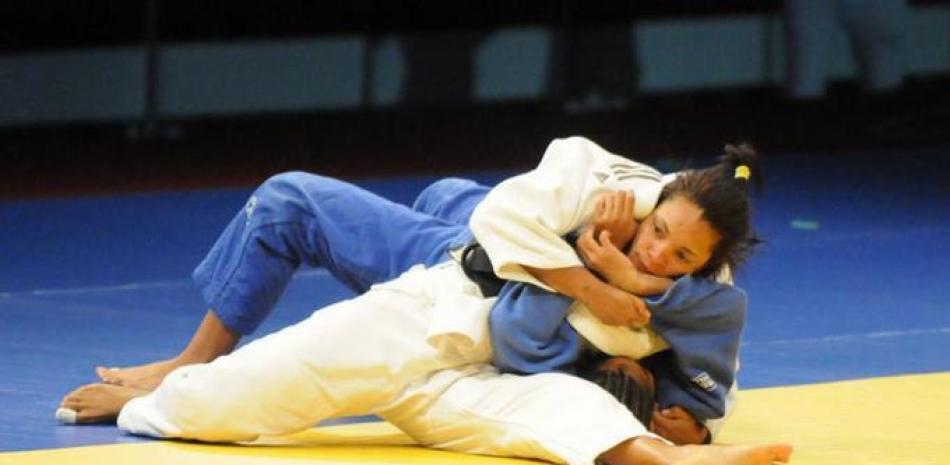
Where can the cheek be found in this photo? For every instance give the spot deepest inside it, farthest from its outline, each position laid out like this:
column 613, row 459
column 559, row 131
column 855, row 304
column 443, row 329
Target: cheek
column 641, row 242
column 693, row 267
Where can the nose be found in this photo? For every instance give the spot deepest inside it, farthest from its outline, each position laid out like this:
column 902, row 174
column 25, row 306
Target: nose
column 658, row 256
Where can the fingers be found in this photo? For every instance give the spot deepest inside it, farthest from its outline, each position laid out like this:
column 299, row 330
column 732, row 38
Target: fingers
column 594, row 246
column 629, row 204
column 658, row 424
column 615, row 204
column 586, row 241
column 620, row 204
column 606, row 242
column 642, row 312
column 587, row 246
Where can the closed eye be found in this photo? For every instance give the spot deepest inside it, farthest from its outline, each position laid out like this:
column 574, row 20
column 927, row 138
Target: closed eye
column 656, row 229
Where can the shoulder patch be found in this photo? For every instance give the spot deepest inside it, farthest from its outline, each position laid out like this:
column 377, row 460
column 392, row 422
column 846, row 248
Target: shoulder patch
column 704, row 381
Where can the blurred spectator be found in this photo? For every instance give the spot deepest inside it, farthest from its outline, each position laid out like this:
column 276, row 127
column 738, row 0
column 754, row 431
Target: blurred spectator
column 876, row 29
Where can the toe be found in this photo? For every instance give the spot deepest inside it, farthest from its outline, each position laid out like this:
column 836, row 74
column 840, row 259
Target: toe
column 66, row 416
column 107, row 375
column 70, row 403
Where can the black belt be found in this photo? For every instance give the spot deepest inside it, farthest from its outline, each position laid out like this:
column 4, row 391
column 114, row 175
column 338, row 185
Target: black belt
column 477, row 266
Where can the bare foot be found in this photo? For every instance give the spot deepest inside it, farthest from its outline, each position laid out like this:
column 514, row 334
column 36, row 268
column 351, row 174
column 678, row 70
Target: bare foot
column 146, row 377
column 768, row 454
column 96, row 403
column 645, row 450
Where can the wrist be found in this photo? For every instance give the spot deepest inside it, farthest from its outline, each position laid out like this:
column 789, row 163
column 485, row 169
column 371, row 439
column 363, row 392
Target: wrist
column 628, row 280
column 576, row 282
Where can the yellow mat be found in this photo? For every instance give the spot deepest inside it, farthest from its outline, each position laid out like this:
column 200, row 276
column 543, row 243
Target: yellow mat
column 902, row 420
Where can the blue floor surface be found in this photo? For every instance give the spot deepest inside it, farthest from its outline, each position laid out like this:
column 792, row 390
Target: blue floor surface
column 852, row 283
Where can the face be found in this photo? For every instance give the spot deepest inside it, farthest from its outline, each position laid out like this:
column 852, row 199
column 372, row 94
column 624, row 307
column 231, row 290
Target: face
column 674, row 240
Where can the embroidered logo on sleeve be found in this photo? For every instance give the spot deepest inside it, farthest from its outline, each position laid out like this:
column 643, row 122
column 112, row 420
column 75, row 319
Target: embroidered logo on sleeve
column 704, row 381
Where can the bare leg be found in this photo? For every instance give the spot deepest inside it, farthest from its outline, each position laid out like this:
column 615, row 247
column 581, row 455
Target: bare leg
column 211, row 340
column 649, row 451
column 96, row 403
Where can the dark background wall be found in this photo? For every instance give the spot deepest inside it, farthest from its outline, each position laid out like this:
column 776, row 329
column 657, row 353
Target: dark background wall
column 116, row 95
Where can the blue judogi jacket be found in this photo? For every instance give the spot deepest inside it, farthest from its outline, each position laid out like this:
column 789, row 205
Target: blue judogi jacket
column 702, row 321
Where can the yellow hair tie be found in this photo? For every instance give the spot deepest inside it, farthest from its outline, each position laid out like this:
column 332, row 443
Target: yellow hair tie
column 743, row 171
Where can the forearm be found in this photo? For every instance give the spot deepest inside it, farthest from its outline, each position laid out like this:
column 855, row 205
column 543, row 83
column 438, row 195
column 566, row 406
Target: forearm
column 641, row 284
column 578, row 283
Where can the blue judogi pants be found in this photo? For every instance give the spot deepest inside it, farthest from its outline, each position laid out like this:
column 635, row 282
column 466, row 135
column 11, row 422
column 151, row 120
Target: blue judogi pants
column 360, row 238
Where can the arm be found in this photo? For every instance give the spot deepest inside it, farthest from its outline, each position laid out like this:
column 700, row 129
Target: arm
column 678, row 425
column 610, row 305
column 611, row 230
column 522, row 220
column 602, row 255
column 520, row 223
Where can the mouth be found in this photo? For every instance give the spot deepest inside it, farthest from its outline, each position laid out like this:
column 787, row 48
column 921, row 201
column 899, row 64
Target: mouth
column 638, row 263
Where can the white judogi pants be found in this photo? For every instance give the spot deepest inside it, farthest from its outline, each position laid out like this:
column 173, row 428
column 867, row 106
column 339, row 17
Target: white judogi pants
column 351, row 358
column 548, row 416
column 410, row 351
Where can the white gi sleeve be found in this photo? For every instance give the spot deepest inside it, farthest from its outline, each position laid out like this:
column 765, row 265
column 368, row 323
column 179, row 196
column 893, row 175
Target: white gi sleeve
column 548, row 416
column 522, row 220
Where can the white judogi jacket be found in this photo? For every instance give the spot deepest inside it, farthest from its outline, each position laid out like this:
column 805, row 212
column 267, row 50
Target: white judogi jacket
column 523, row 219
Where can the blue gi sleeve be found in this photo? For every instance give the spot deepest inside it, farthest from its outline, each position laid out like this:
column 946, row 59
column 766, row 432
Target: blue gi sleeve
column 702, row 321
column 529, row 332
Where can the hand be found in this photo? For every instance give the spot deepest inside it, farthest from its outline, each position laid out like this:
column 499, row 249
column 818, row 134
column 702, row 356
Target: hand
column 605, row 258
column 677, row 425
column 615, row 307
column 613, row 212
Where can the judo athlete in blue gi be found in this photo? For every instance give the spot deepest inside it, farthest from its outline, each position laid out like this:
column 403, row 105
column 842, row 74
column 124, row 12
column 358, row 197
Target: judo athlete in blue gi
column 401, row 337
column 296, row 219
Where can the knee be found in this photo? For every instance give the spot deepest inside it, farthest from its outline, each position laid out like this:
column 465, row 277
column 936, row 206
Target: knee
column 438, row 193
column 282, row 194
column 447, row 185
column 285, row 183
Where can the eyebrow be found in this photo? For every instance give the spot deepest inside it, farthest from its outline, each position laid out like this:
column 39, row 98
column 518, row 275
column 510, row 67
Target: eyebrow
column 662, row 224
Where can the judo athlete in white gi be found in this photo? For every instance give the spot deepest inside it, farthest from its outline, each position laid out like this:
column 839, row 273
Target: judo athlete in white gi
column 398, row 337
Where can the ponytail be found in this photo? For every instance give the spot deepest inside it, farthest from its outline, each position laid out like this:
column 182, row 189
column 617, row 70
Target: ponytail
column 742, row 161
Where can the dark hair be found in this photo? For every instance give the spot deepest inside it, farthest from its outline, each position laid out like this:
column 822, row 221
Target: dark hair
column 722, row 193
